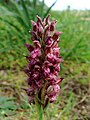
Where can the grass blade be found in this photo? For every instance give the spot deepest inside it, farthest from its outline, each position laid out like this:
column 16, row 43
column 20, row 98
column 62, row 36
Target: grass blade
column 25, row 11
column 49, row 9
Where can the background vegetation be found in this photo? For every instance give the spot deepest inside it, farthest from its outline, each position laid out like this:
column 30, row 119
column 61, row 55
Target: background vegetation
column 73, row 102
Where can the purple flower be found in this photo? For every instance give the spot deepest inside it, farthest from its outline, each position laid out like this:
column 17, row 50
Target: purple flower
column 43, row 62
column 35, row 53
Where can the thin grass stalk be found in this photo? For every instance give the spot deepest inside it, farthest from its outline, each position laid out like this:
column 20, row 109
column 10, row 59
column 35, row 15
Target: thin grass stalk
column 49, row 9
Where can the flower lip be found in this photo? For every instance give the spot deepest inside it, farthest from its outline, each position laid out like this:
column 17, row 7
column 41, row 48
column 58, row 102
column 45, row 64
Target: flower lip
column 35, row 27
column 56, row 35
column 35, row 53
column 37, row 44
column 29, row 47
column 52, row 25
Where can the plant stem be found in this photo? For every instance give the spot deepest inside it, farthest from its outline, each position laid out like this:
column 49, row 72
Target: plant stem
column 41, row 113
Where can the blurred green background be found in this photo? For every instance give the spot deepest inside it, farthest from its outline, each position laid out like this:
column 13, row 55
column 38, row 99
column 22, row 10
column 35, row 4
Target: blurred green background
column 73, row 102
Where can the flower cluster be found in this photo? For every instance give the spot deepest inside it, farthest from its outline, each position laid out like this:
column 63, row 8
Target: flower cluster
column 43, row 62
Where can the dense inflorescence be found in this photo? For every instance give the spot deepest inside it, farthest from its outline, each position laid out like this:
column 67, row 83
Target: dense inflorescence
column 43, row 62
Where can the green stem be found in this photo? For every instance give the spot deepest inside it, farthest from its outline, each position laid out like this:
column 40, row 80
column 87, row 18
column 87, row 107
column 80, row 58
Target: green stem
column 41, row 113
